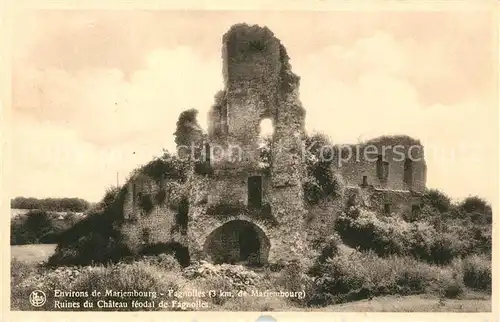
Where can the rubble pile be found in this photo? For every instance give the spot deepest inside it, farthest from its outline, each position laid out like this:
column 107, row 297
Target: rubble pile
column 237, row 275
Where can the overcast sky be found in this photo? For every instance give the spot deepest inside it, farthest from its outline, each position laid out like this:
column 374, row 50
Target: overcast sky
column 96, row 93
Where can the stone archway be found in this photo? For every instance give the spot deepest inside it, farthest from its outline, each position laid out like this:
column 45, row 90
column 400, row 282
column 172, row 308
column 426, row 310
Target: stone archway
column 237, row 242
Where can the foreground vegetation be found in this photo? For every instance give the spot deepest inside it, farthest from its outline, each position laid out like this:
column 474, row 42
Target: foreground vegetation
column 343, row 277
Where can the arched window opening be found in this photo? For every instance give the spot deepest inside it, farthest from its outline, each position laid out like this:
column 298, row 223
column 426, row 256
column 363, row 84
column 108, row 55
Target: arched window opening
column 266, row 132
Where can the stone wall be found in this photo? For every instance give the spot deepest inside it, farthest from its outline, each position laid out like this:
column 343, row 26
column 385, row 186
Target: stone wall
column 384, row 202
column 395, row 150
column 144, row 227
column 233, row 187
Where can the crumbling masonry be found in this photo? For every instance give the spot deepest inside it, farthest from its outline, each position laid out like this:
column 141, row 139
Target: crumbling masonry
column 241, row 211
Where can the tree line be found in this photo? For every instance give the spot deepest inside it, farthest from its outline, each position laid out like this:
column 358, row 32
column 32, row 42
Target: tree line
column 51, row 204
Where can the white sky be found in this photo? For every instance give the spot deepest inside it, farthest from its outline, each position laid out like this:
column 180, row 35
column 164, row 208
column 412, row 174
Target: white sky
column 96, row 93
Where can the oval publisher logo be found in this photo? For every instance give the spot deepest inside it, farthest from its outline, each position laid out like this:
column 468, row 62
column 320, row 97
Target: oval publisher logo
column 38, row 298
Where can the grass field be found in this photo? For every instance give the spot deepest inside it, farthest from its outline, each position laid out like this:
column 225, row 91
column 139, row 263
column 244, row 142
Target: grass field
column 32, row 253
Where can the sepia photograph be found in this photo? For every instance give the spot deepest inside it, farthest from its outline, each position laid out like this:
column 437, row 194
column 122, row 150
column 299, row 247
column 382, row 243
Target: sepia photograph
column 260, row 161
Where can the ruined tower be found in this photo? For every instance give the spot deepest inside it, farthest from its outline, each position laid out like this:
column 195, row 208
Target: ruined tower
column 236, row 204
column 250, row 209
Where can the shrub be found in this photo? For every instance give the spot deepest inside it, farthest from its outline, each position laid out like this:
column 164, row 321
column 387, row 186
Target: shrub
column 477, row 272
column 83, row 251
column 330, row 248
column 482, row 239
column 163, row 261
column 293, row 279
column 138, row 276
column 436, row 199
column 475, row 204
column 362, row 275
column 366, row 230
column 392, row 235
column 477, row 209
column 28, row 277
column 19, row 271
column 453, row 288
column 38, row 227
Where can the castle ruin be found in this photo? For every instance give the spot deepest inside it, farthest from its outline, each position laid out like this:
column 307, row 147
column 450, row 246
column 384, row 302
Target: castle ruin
column 242, row 211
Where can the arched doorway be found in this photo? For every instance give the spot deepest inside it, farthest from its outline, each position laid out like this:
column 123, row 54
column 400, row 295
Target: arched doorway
column 237, row 242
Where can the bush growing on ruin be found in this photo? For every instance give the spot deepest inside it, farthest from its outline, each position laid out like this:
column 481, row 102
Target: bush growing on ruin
column 265, row 153
column 313, row 192
column 109, row 197
column 187, row 128
column 203, row 168
column 321, row 181
column 189, row 134
column 98, row 230
column 167, row 167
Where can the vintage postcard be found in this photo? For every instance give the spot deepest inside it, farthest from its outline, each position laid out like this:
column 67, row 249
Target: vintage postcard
column 196, row 160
